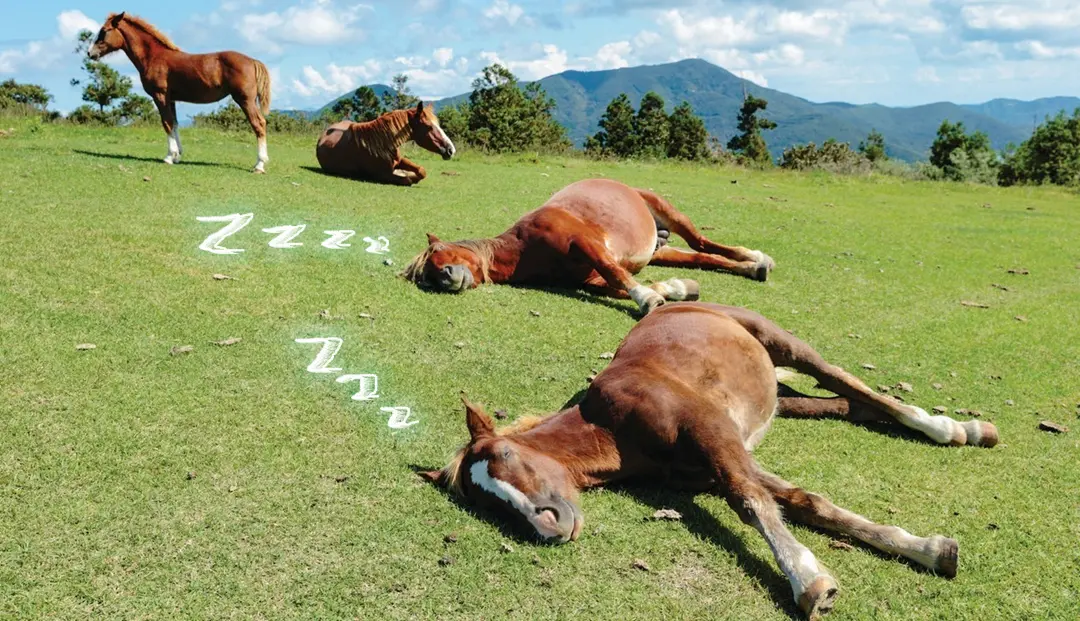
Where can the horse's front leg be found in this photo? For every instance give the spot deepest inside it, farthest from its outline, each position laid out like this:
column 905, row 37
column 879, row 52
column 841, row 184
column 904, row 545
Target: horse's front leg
column 585, row 249
column 167, row 112
column 417, row 170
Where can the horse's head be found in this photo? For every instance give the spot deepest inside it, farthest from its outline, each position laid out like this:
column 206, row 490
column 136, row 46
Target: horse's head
column 498, row 472
column 109, row 38
column 427, row 133
column 446, row 267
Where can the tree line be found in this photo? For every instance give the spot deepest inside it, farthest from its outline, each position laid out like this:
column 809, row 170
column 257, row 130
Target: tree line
column 500, row 115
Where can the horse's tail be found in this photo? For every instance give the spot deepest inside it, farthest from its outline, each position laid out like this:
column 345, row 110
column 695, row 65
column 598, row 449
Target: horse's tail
column 262, row 86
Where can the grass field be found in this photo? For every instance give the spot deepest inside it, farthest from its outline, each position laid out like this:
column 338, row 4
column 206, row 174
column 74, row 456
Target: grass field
column 231, row 483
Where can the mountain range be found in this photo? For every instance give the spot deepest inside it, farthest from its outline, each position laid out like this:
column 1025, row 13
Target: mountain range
column 717, row 94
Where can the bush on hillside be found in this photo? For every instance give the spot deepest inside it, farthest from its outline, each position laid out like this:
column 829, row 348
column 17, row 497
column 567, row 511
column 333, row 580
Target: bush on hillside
column 833, row 156
column 1051, row 155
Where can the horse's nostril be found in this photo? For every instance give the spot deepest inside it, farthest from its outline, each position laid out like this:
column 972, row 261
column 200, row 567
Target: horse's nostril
column 553, row 510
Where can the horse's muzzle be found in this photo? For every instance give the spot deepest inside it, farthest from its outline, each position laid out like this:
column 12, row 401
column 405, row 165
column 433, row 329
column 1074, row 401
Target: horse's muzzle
column 560, row 519
column 455, row 278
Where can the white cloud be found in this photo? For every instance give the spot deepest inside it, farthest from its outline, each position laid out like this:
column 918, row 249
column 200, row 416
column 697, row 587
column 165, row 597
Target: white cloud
column 442, row 56
column 817, row 25
column 338, row 79
column 1040, row 51
column 1027, row 16
column 753, row 76
column 612, row 56
column 725, row 30
column 503, row 11
column 49, row 53
column 316, row 23
column 927, row 75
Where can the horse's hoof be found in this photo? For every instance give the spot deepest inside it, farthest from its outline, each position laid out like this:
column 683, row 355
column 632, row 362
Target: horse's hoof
column 819, row 597
column 980, row 433
column 761, row 273
column 948, row 557
column 258, row 171
column 168, row 160
column 693, row 290
column 650, row 304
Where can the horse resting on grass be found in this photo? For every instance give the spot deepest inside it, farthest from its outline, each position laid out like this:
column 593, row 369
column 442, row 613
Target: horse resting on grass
column 691, row 391
column 170, row 75
column 593, row 234
column 372, row 150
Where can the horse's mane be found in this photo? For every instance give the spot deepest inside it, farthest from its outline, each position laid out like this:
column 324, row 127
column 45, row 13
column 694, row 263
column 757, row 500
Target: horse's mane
column 484, row 249
column 451, row 474
column 384, row 136
column 148, row 28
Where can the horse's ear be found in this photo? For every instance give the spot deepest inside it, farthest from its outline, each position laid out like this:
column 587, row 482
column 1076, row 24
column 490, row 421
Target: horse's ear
column 420, row 106
column 116, row 19
column 480, row 424
column 435, row 477
column 432, row 240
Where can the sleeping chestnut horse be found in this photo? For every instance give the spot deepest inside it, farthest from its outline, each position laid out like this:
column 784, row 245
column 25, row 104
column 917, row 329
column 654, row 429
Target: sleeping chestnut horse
column 691, row 391
column 372, row 150
column 593, row 234
column 169, row 75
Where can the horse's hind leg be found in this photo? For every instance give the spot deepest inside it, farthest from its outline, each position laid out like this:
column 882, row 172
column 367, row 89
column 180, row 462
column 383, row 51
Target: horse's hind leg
column 788, row 351
column 669, row 218
column 937, row 553
column 668, row 256
column 250, row 107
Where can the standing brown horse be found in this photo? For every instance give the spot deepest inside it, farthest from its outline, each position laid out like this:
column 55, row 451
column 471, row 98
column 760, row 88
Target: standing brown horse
column 594, row 234
column 372, row 150
column 169, row 75
column 690, row 392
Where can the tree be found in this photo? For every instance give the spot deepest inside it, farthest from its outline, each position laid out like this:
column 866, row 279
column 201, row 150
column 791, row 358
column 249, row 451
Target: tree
column 874, row 146
column 749, row 143
column 505, row 117
column 399, row 97
column 961, row 156
column 1050, row 155
column 454, row 120
column 108, row 90
column 616, row 136
column 362, row 105
column 652, row 126
column 687, row 137
column 13, row 93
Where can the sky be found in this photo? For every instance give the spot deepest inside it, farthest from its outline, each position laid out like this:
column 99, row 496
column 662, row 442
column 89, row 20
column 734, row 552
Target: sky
column 892, row 52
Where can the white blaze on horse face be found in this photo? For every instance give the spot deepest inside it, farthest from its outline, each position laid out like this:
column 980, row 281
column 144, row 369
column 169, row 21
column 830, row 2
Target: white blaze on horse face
column 369, row 385
column 236, row 222
column 446, row 139
column 337, row 239
column 330, row 347
column 285, row 235
column 510, row 495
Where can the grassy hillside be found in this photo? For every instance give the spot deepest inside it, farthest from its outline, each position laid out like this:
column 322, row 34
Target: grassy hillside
column 229, row 482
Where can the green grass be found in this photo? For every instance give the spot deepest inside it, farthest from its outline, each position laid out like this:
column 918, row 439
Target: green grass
column 99, row 517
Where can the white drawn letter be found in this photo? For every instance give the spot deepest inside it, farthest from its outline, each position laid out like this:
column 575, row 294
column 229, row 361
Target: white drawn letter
column 380, row 245
column 236, row 222
column 285, row 234
column 330, row 347
column 399, row 417
column 369, row 385
column 337, row 239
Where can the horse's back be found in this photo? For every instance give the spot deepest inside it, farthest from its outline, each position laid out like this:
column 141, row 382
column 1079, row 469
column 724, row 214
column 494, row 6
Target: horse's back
column 619, row 210
column 698, row 353
column 333, row 149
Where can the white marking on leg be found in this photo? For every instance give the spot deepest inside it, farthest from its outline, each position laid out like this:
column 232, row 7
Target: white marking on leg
column 509, row 494
column 940, row 429
column 260, row 164
column 173, row 155
column 642, row 295
column 795, row 560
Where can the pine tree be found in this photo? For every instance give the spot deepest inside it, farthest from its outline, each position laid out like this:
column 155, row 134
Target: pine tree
column 366, row 104
column 616, row 136
column 399, row 97
column 688, row 136
column 14, row 93
column 749, row 143
column 874, row 146
column 652, row 126
column 505, row 117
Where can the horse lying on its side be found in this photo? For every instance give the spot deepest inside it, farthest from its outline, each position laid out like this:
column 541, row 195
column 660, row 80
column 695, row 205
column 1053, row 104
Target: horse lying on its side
column 593, row 234
column 691, row 391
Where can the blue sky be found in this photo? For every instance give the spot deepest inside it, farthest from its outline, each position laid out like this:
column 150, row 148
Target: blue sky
column 894, row 52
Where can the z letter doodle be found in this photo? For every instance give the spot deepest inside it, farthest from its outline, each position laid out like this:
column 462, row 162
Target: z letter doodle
column 236, row 222
column 330, row 347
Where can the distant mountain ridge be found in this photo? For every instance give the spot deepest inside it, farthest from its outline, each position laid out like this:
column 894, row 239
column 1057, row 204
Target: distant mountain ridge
column 717, row 94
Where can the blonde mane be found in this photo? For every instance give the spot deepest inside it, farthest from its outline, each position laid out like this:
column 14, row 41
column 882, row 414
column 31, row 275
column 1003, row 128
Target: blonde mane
column 451, row 474
column 148, row 28
column 484, row 249
column 385, row 135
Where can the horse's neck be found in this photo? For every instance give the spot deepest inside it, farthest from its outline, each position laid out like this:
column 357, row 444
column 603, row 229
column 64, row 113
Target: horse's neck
column 391, row 131
column 505, row 255
column 138, row 46
column 586, row 450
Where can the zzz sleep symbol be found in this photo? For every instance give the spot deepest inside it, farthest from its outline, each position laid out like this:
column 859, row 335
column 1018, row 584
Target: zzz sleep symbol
column 380, row 245
column 336, row 241
column 399, row 417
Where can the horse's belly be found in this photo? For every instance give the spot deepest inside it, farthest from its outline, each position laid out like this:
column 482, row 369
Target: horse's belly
column 634, row 253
